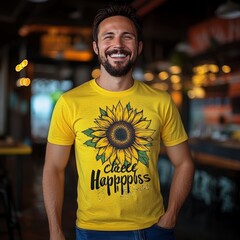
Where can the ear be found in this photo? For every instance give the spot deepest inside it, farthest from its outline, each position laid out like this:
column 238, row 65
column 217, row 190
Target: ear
column 95, row 47
column 140, row 47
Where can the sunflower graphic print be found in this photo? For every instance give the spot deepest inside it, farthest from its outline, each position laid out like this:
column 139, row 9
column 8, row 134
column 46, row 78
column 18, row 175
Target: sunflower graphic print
column 122, row 137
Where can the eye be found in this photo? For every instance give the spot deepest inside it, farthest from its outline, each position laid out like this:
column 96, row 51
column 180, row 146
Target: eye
column 128, row 37
column 108, row 37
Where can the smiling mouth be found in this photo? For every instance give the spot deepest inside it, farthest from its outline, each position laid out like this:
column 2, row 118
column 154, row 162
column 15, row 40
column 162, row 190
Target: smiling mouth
column 118, row 54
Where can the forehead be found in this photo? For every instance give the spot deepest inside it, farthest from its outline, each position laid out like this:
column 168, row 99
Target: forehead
column 117, row 23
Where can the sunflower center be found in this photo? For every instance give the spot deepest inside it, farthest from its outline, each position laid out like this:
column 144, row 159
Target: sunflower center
column 121, row 135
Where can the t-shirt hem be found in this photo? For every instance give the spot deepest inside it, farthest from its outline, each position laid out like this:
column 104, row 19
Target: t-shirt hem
column 181, row 140
column 59, row 142
column 114, row 228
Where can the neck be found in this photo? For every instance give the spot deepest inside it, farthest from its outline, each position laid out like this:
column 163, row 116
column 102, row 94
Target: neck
column 114, row 84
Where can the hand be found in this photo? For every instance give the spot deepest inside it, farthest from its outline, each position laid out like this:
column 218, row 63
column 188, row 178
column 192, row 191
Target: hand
column 167, row 221
column 57, row 236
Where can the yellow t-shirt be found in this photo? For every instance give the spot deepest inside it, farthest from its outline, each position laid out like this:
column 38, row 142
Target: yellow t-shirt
column 117, row 139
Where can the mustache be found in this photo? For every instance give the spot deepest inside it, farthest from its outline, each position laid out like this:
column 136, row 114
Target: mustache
column 119, row 51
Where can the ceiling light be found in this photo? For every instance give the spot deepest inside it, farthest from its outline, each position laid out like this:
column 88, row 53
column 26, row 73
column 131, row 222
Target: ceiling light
column 228, row 10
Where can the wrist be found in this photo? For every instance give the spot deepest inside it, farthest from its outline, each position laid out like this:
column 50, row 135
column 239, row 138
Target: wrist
column 56, row 234
column 168, row 220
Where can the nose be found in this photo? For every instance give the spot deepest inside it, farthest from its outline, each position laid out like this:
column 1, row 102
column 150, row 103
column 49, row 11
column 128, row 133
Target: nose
column 118, row 42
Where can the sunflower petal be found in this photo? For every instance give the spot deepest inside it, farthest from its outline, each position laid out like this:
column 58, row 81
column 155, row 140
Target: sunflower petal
column 138, row 116
column 134, row 152
column 102, row 123
column 95, row 139
column 140, row 147
column 119, row 112
column 144, row 133
column 113, row 156
column 121, row 156
column 141, row 141
column 109, row 151
column 101, row 150
column 108, row 119
column 110, row 114
column 99, row 133
column 103, row 142
column 131, row 116
column 129, row 159
column 143, row 124
column 126, row 114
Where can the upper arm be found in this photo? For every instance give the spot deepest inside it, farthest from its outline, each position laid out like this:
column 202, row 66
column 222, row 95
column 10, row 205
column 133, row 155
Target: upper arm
column 179, row 153
column 57, row 156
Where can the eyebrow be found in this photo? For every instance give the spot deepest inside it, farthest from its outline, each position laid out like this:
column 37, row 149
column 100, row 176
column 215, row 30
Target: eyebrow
column 124, row 33
column 107, row 33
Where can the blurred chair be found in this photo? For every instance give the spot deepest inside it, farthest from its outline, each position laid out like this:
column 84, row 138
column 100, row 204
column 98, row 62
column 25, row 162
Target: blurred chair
column 8, row 210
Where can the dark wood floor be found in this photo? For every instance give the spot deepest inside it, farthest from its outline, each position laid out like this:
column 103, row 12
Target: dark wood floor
column 196, row 221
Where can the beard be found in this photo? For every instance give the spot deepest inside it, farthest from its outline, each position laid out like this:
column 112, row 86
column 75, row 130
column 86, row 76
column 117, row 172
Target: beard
column 119, row 70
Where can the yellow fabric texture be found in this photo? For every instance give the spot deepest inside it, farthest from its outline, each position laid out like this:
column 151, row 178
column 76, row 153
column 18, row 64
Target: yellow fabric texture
column 117, row 138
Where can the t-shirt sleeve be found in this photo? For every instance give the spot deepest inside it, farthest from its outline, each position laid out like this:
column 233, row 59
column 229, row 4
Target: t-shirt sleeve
column 173, row 131
column 60, row 130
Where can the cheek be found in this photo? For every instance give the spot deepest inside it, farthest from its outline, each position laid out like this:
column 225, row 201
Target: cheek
column 132, row 47
column 102, row 48
column 99, row 48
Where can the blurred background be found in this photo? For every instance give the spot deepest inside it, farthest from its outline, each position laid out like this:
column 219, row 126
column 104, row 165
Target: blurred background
column 191, row 49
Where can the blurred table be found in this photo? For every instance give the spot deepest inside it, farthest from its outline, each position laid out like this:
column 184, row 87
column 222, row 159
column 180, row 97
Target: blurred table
column 20, row 151
column 15, row 149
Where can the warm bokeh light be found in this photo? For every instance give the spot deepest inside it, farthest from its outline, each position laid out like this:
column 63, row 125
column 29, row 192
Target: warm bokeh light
column 226, row 69
column 175, row 79
column 21, row 65
column 18, row 68
column 148, row 76
column 71, row 54
column 23, row 82
column 198, row 80
column 196, row 92
column 163, row 75
column 95, row 73
column 160, row 86
column 177, row 97
column 213, row 68
column 24, row 63
column 175, row 69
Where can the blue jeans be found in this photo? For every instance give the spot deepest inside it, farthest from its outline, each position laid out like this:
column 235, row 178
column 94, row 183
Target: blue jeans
column 152, row 233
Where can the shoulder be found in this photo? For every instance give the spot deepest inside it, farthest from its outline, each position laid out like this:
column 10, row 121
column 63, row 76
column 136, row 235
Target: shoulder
column 150, row 91
column 72, row 96
column 77, row 91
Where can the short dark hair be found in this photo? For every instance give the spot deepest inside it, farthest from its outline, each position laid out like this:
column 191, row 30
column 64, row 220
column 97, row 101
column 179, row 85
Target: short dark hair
column 117, row 10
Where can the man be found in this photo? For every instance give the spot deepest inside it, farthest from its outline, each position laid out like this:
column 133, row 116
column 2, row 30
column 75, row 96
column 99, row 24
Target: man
column 116, row 125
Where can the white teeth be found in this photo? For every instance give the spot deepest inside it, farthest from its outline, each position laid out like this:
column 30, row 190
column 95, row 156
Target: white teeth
column 117, row 55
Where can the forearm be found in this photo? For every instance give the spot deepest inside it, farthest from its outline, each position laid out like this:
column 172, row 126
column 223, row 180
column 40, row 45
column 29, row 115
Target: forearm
column 53, row 190
column 56, row 160
column 180, row 188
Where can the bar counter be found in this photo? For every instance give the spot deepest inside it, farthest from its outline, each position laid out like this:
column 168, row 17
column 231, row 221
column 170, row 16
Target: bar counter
column 223, row 155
